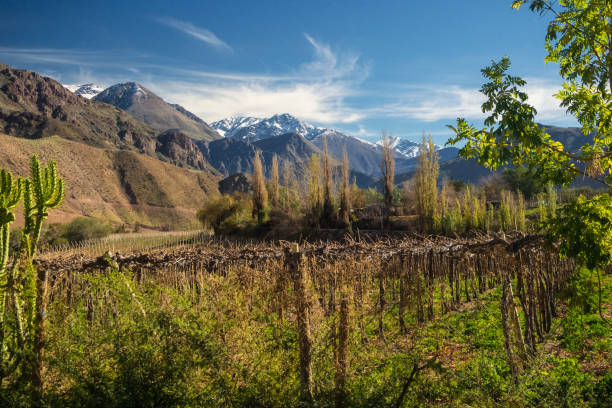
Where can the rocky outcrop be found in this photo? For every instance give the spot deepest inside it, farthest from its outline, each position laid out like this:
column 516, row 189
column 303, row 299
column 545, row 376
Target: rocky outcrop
column 181, row 150
column 236, row 183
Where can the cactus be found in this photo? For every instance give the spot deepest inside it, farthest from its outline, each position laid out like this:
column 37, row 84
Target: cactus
column 10, row 195
column 44, row 191
column 26, row 287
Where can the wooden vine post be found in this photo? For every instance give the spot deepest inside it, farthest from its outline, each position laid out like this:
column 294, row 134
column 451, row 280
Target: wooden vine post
column 293, row 263
column 503, row 304
column 342, row 353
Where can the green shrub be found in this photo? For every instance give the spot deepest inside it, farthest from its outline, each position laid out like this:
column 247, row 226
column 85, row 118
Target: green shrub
column 563, row 386
column 131, row 358
column 226, row 214
column 581, row 291
column 82, row 228
column 602, row 393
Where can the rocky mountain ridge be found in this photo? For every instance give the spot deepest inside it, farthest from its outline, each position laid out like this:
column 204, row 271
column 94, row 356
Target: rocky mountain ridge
column 143, row 104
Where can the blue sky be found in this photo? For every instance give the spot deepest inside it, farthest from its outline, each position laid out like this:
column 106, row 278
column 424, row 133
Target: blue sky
column 358, row 66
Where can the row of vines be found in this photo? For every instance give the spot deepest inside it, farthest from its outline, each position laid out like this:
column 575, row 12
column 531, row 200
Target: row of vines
column 340, row 299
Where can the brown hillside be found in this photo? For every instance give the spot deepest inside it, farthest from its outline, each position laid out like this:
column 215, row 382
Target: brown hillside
column 35, row 107
column 119, row 185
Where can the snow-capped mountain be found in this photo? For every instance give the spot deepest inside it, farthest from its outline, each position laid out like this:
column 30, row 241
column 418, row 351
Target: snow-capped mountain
column 123, row 95
column 407, row 148
column 86, row 90
column 252, row 129
column 364, row 156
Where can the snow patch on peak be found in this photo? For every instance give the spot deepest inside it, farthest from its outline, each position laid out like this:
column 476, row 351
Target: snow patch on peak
column 408, row 148
column 86, row 90
column 251, row 129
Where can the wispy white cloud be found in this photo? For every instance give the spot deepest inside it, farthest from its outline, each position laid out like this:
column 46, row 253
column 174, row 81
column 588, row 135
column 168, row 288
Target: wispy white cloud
column 199, row 33
column 321, row 103
column 436, row 102
column 314, row 91
column 50, row 55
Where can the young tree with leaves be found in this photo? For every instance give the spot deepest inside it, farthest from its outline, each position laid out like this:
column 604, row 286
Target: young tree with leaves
column 579, row 39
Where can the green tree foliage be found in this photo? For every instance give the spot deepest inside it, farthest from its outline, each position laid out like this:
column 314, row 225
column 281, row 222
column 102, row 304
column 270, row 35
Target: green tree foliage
column 314, row 204
column 523, row 179
column 586, row 228
column 505, row 215
column 467, row 209
column 551, row 201
column 579, row 39
column 542, row 214
column 289, row 197
column 520, row 216
column 327, row 215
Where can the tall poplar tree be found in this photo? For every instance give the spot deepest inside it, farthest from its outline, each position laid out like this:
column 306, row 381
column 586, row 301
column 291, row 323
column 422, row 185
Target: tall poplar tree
column 345, row 191
column 425, row 184
column 260, row 193
column 274, row 183
column 387, row 167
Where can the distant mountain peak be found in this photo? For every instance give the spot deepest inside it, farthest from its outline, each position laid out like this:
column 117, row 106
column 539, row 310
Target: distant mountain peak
column 124, row 95
column 153, row 110
column 86, row 90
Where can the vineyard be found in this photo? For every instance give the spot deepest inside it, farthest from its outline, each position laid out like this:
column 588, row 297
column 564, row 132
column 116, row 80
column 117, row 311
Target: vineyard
column 331, row 324
column 478, row 274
